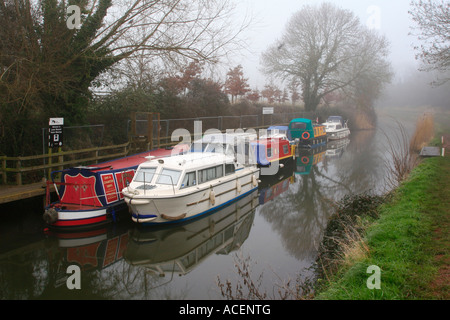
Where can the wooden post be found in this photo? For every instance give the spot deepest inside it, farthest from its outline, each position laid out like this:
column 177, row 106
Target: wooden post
column 150, row 130
column 4, row 177
column 49, row 174
column 159, row 130
column 19, row 173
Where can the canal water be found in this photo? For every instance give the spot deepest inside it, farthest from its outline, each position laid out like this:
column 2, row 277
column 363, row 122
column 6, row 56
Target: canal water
column 275, row 230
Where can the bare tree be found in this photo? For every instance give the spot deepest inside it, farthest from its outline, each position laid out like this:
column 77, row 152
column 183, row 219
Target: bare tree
column 49, row 62
column 433, row 26
column 326, row 49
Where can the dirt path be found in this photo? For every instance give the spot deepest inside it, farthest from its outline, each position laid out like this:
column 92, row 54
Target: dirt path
column 440, row 286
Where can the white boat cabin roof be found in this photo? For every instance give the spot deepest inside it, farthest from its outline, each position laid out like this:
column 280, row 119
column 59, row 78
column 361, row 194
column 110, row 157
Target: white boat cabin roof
column 189, row 161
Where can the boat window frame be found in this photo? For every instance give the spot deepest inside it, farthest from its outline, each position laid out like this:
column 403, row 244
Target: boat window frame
column 208, row 174
column 136, row 176
column 163, row 175
column 185, row 176
column 298, row 126
column 228, row 166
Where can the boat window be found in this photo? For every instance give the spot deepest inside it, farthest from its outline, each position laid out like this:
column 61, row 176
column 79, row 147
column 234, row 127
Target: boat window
column 169, row 177
column 285, row 149
column 144, row 175
column 229, row 169
column 189, row 180
column 210, row 173
column 269, row 152
column 338, row 126
column 298, row 125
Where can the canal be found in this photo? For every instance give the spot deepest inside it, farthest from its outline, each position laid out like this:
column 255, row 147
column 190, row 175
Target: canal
column 276, row 231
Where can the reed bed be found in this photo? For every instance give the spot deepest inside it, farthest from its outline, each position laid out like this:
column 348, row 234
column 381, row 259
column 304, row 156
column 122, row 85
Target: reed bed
column 424, row 132
column 404, row 151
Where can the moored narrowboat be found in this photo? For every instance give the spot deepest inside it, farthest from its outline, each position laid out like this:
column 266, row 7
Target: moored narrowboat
column 272, row 150
column 90, row 196
column 306, row 134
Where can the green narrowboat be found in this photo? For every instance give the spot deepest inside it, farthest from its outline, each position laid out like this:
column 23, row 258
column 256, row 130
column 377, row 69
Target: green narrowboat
column 307, row 134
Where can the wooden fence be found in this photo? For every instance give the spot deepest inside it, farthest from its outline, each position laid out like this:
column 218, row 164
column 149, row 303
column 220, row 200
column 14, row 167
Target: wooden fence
column 40, row 166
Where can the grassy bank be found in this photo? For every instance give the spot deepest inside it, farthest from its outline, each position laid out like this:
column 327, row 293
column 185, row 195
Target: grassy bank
column 408, row 242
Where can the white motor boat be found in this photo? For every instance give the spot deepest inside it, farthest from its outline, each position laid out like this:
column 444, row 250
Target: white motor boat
column 184, row 187
column 336, row 128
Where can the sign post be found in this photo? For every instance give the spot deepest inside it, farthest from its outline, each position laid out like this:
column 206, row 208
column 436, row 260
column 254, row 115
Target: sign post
column 55, row 132
column 266, row 110
column 55, row 138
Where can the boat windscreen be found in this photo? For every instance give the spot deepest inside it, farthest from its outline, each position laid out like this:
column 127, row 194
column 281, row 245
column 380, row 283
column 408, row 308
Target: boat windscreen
column 144, row 174
column 169, row 177
column 298, row 125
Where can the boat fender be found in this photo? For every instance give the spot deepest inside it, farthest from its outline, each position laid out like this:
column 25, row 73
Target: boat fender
column 254, row 181
column 305, row 135
column 305, row 160
column 212, row 197
column 238, row 186
column 50, row 216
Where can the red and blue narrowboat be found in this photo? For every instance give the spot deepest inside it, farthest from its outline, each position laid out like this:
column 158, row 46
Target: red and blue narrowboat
column 91, row 196
column 270, row 150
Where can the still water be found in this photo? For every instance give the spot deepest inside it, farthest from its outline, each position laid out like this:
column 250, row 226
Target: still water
column 276, row 229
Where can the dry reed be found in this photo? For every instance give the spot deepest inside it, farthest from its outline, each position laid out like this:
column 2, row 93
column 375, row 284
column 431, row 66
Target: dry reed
column 424, row 132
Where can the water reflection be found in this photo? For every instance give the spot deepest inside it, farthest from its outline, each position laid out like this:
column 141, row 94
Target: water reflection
column 281, row 225
column 38, row 270
column 320, row 177
column 177, row 250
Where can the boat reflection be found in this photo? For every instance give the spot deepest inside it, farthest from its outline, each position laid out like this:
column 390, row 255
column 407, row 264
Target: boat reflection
column 272, row 186
column 307, row 158
column 336, row 148
column 178, row 250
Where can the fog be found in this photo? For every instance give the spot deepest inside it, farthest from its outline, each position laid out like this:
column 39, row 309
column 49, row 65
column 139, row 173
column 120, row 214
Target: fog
column 409, row 86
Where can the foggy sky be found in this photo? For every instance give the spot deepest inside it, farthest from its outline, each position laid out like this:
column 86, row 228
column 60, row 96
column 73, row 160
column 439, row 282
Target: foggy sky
column 270, row 17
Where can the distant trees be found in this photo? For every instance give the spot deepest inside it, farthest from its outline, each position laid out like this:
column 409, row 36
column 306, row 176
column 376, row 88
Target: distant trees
column 433, row 24
column 327, row 49
column 236, row 85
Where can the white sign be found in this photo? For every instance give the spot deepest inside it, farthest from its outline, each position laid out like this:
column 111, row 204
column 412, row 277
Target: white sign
column 56, row 121
column 268, row 110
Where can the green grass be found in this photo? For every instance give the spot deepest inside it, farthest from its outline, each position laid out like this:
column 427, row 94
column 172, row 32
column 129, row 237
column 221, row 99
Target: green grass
column 403, row 241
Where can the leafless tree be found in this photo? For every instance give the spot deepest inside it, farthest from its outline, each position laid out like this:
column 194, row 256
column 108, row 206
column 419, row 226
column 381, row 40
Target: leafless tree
column 326, row 49
column 49, row 65
column 433, row 30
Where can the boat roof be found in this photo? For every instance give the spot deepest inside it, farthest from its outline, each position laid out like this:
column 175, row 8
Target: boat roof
column 334, row 119
column 131, row 161
column 269, row 141
column 228, row 138
column 278, row 127
column 191, row 160
column 301, row 120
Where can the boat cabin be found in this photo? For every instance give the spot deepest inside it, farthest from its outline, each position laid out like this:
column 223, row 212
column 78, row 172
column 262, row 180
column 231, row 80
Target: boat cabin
column 270, row 150
column 277, row 132
column 335, row 120
column 304, row 129
column 181, row 172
